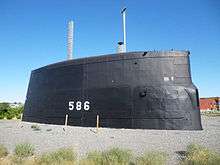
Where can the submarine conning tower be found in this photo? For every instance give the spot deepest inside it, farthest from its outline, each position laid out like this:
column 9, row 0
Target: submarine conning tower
column 140, row 90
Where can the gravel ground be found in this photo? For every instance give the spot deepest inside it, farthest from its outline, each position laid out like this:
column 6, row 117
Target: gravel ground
column 83, row 140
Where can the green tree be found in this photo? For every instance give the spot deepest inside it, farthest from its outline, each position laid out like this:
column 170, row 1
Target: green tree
column 4, row 107
column 10, row 112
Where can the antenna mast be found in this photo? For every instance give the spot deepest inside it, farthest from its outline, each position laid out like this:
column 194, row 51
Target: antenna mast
column 70, row 40
column 123, row 12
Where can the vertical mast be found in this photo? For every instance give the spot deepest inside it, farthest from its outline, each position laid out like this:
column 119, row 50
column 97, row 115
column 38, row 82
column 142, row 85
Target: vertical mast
column 70, row 40
column 124, row 27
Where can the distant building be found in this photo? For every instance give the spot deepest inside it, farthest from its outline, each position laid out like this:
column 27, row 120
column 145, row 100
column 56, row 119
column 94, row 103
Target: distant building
column 211, row 103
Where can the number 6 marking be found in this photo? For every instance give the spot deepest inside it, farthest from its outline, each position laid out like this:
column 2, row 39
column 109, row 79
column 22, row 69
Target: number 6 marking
column 86, row 105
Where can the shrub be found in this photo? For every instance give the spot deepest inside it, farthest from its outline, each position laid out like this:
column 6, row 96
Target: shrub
column 198, row 155
column 152, row 158
column 61, row 156
column 18, row 116
column 4, row 107
column 10, row 112
column 117, row 156
column 1, row 115
column 24, row 150
column 114, row 156
column 9, row 115
column 3, row 151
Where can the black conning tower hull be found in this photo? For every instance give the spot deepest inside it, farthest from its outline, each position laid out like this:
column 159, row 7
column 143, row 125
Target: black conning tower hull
column 147, row 90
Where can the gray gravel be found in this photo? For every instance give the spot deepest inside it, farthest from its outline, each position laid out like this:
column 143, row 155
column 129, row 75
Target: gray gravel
column 83, row 140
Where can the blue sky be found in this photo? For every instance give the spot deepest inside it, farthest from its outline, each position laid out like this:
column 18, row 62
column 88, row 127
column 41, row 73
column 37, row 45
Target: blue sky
column 33, row 34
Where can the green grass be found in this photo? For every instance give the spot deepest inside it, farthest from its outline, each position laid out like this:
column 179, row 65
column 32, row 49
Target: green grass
column 92, row 158
column 152, row 158
column 199, row 155
column 117, row 156
column 3, row 151
column 114, row 156
column 195, row 155
column 24, row 150
column 61, row 156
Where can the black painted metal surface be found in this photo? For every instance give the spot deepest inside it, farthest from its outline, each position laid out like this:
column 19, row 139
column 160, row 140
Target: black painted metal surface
column 150, row 90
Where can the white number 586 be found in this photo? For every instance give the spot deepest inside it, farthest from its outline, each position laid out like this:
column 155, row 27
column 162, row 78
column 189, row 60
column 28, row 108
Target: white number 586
column 78, row 105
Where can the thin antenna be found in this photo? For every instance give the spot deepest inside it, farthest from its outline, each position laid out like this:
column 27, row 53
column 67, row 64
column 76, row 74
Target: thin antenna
column 123, row 12
column 70, row 40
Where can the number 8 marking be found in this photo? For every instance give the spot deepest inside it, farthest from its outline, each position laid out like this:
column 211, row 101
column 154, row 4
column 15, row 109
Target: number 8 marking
column 78, row 105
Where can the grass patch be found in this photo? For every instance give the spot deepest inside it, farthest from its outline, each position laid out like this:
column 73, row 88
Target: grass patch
column 61, row 156
column 199, row 155
column 3, row 151
column 195, row 155
column 35, row 127
column 114, row 156
column 117, row 156
column 92, row 158
column 24, row 150
column 152, row 158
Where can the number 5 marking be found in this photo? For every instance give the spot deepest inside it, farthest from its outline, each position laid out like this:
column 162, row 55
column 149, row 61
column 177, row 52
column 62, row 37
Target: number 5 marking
column 71, row 105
